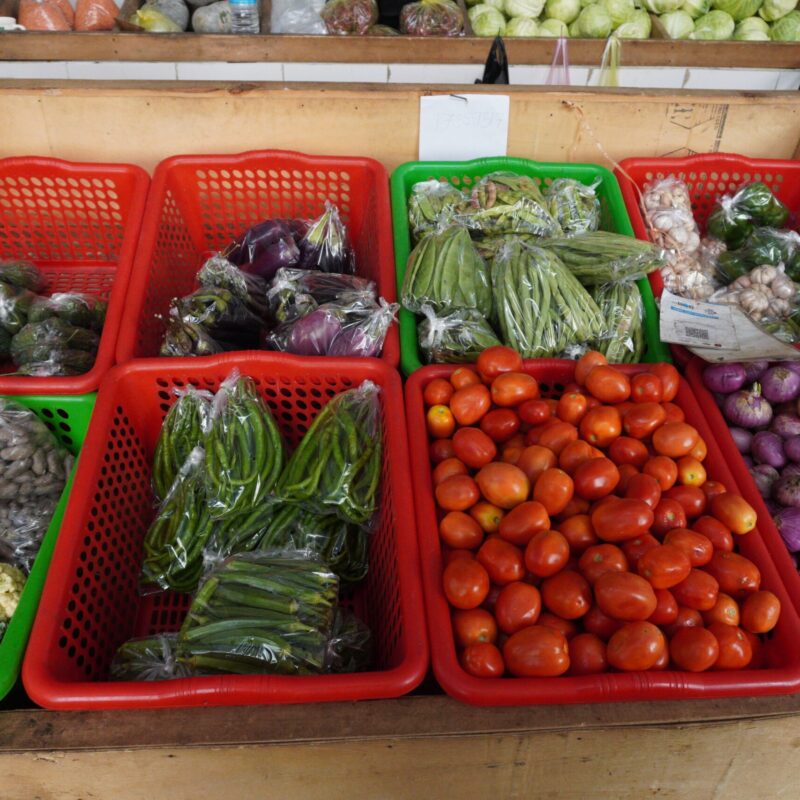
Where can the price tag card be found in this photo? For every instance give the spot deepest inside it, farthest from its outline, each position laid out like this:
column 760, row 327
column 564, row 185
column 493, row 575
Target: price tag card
column 462, row 127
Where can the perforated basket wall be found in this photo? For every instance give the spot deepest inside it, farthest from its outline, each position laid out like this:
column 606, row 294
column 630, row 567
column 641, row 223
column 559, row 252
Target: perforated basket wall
column 200, row 204
column 79, row 223
column 781, row 676
column 91, row 602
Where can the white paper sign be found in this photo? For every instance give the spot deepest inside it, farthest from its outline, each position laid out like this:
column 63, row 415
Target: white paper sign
column 718, row 332
column 462, row 127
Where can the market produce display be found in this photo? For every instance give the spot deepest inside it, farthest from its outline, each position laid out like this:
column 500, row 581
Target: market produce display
column 12, row 582
column 507, row 262
column 581, row 532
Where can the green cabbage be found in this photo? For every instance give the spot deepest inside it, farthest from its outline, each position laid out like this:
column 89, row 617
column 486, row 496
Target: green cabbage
column 638, row 26
column 585, row 3
column 553, row 28
column 716, row 25
column 487, row 20
column 522, row 26
column 661, row 6
column 523, row 8
column 677, row 24
column 594, row 22
column 696, row 8
column 619, row 10
column 775, row 9
column 786, row 29
column 752, row 29
column 563, row 10
column 738, row 9
column 498, row 4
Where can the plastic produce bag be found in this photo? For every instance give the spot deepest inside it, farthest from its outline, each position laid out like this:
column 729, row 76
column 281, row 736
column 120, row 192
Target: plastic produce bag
column 430, row 203
column 454, row 337
column 185, row 338
column 42, row 15
column 15, row 304
column 326, row 245
column 431, row 18
column 575, row 205
column 337, row 466
column 261, row 613
column 364, row 333
column 670, row 219
column 74, row 308
column 183, row 429
column 763, row 246
column 735, row 216
column 298, row 16
column 244, row 451
column 541, row 308
column 152, row 20
column 23, row 274
column 268, row 246
column 54, row 347
column 95, row 15
column 351, row 647
column 219, row 273
column 766, row 294
column 621, row 305
column 176, row 10
column 150, row 658
column 446, row 272
column 225, row 317
column 349, row 17
column 213, row 18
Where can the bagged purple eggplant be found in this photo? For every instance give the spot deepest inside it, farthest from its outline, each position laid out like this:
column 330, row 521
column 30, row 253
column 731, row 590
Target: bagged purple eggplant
column 268, row 246
column 326, row 245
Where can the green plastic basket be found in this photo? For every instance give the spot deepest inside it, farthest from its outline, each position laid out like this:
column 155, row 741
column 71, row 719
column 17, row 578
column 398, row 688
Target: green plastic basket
column 463, row 174
column 68, row 418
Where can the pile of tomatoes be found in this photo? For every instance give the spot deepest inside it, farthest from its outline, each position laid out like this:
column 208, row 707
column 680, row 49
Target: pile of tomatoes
column 582, row 534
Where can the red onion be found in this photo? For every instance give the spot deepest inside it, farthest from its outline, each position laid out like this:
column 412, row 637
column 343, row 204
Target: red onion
column 786, row 490
column 779, row 384
column 764, row 477
column 791, row 447
column 742, row 439
column 748, row 462
column 754, row 369
column 767, row 448
column 785, row 425
column 790, row 469
column 788, row 523
column 748, row 409
column 794, row 366
column 724, row 378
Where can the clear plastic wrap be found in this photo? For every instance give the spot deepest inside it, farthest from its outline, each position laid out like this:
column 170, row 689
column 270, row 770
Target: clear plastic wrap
column 22, row 274
column 244, row 452
column 337, row 466
column 185, row 338
column 12, row 582
column 326, row 244
column 503, row 202
column 431, row 18
column 735, row 216
column 74, row 308
column 763, row 246
column 575, row 205
column 621, row 305
column 446, row 272
column 42, row 15
column 298, row 17
column 351, row 647
column 454, row 337
column 261, row 613
column 149, row 658
column 183, row 429
column 349, row 17
column 95, row 15
column 542, row 309
column 54, row 347
column 268, row 246
column 174, row 542
column 217, row 272
column 430, row 203
column 15, row 304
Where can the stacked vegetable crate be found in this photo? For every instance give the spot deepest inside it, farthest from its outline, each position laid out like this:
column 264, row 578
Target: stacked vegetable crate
column 464, row 175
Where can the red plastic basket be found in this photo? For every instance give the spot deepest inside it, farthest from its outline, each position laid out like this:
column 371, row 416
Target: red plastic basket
column 199, row 204
column 91, row 604
column 772, row 538
column 79, row 223
column 782, row 676
column 708, row 176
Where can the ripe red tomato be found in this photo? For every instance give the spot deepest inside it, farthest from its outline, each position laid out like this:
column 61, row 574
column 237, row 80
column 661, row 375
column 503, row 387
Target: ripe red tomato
column 463, row 377
column 474, row 626
column 759, row 659
column 664, row 566
column 694, row 649
column 536, row 652
column 473, row 447
column 441, row 423
column 567, row 594
column 457, row 493
column 571, row 407
column 546, row 554
column 725, row 610
column 523, row 521
column 596, row 478
column 494, row 361
column 716, row 532
column 460, row 531
column 453, row 555
column 447, row 468
column 626, row 472
column 736, row 575
column 466, row 583
column 646, row 388
column 483, row 660
column 687, row 618
column 500, row 425
column 735, row 651
column 586, row 363
column 700, row 451
column 534, row 460
column 674, row 413
column 734, row 512
column 627, row 450
column 567, row 628
column 643, row 419
column 664, row 470
column 698, row 548
column 553, row 489
column 675, row 439
column 438, row 392
column 470, row 403
column 487, row 516
column 662, row 663
column 713, row 488
column 578, row 531
column 557, row 436
column 636, row 646
column 618, row 520
column 503, row 485
column 513, row 388
column 441, row 449
column 690, row 497
column 624, row 596
column 502, row 561
column 691, row 472
column 518, row 606
column 534, row 412
column 587, row 655
column 601, row 425
column 666, row 608
column 601, row 558
column 600, row 624
column 575, row 454
column 667, row 515
column 512, row 449
column 608, row 384
column 634, row 549
column 698, row 591
column 670, row 380
column 645, row 488
column 760, row 612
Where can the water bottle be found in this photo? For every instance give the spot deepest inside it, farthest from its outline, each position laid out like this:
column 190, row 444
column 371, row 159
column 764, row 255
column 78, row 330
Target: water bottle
column 244, row 16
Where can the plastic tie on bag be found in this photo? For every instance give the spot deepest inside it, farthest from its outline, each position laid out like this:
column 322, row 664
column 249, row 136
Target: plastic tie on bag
column 558, row 75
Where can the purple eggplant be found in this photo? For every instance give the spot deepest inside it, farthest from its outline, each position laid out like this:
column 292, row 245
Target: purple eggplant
column 313, row 334
column 326, row 246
